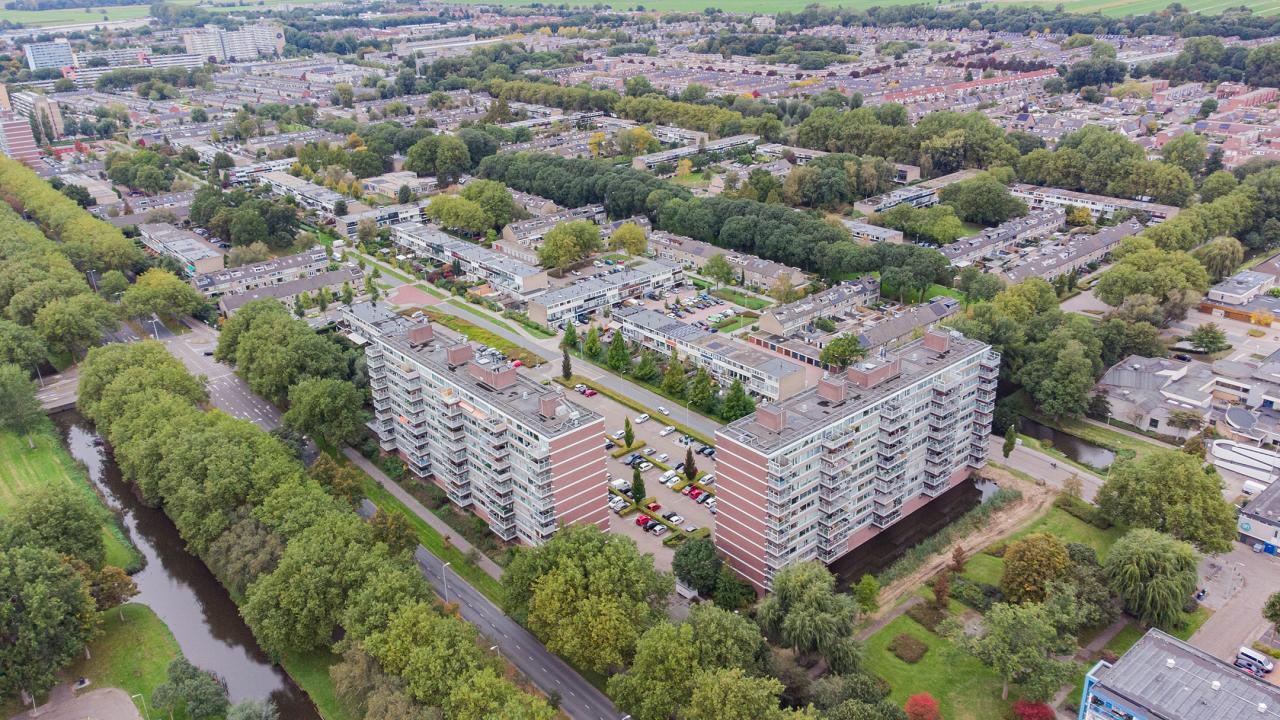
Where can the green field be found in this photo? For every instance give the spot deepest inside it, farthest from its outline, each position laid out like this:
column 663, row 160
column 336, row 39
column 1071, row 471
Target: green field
column 75, row 16
column 132, row 653
column 311, row 672
column 1107, row 7
column 23, row 468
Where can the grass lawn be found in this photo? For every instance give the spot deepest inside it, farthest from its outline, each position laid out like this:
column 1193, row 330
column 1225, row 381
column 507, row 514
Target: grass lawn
column 1069, row 529
column 984, row 568
column 431, row 290
column 464, row 305
column 750, row 302
column 1131, row 632
column 484, row 337
column 692, row 180
column 735, row 322
column 311, row 672
column 964, row 688
column 22, row 469
column 434, row 542
column 131, row 654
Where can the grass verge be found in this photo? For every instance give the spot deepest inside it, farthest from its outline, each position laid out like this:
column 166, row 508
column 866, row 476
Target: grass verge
column 311, row 672
column 484, row 337
column 741, row 299
column 24, row 468
column 464, row 305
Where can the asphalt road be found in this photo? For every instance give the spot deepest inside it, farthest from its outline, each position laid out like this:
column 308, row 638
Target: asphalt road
column 227, row 391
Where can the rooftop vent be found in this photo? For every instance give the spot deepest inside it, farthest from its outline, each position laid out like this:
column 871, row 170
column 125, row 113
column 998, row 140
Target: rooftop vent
column 1215, row 685
column 459, row 354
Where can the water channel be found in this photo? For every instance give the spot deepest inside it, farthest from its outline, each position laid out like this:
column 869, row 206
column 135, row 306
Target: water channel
column 1082, row 451
column 182, row 591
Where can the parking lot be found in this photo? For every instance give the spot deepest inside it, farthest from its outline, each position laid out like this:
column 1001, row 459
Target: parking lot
column 650, row 432
column 691, row 314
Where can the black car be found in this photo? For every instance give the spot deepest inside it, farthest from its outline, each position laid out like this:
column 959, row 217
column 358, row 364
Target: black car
column 1183, row 357
column 651, row 525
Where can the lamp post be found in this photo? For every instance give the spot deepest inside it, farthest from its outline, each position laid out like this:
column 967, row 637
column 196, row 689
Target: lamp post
column 444, row 577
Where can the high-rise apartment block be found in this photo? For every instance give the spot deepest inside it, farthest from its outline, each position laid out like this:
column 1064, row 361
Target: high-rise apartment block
column 56, row 54
column 818, row 475
column 248, row 43
column 512, row 450
column 16, row 139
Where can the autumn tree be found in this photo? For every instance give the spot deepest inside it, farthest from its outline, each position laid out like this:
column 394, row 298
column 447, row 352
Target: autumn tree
column 1030, row 564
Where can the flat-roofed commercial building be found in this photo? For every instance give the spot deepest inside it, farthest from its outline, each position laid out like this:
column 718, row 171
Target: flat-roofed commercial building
column 762, row 374
column 818, row 475
column 515, row 452
column 196, row 255
column 498, row 270
column 593, row 294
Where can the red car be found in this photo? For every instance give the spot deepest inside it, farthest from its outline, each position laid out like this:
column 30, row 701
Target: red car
column 694, row 494
column 642, row 520
column 653, row 507
column 516, row 363
column 589, row 393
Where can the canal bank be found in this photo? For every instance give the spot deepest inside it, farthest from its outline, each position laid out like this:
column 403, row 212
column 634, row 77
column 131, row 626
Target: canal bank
column 181, row 590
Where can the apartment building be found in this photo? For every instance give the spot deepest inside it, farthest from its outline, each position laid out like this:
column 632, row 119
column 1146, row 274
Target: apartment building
column 763, row 374
column 272, row 272
column 652, row 160
column 1038, row 197
column 38, row 107
column 1163, row 678
column 590, row 295
column 288, row 292
column 513, row 451
column 818, row 475
column 1039, row 223
column 309, row 194
column 838, row 299
column 248, row 43
column 389, row 184
column 197, row 256
column 385, row 216
column 915, row 196
column 55, row 54
column 1049, row 260
column 498, row 270
column 17, row 141
column 751, row 270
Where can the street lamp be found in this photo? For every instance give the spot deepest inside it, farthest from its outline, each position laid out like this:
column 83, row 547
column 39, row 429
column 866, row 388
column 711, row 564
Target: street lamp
column 145, row 711
column 444, row 577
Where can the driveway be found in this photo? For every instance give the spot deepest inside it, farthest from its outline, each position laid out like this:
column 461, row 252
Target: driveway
column 1238, row 583
column 101, row 704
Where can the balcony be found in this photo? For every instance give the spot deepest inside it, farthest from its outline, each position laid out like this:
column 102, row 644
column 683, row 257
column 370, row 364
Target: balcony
column 885, row 519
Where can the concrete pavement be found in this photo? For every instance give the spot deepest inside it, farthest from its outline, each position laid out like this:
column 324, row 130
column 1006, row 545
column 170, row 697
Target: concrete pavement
column 1238, row 583
column 100, row 704
column 1043, row 467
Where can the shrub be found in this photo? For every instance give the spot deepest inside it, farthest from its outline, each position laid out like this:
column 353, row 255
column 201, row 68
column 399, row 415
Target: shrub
column 1032, row 711
column 927, row 614
column 393, row 466
column 908, row 648
column 1108, row 656
column 997, row 550
column 939, row 541
column 1082, row 510
column 979, row 596
column 921, row 706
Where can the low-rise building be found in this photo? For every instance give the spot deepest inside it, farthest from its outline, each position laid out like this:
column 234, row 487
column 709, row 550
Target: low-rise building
column 590, row 295
column 694, row 254
column 1039, row 223
column 308, row 194
column 1163, row 678
column 764, row 375
column 1259, row 521
column 1038, row 197
column 499, row 271
column 818, row 475
column 1049, row 260
column 848, row 295
column 390, row 184
column 521, row 239
column 914, row 195
column 652, row 160
column 867, row 232
column 515, row 452
column 1240, row 289
column 241, row 279
column 287, row 292
column 386, row 216
column 196, row 255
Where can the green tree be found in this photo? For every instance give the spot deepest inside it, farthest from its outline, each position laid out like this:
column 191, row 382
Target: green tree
column 718, row 268
column 984, row 200
column 48, row 619
column 1172, row 492
column 253, row 709
column 1271, row 611
column 459, row 213
column 393, row 530
column 1186, row 151
column 647, row 369
column 697, row 565
column 494, row 197
column 570, row 338
column 71, row 325
column 690, row 464
column 327, row 408
column 21, row 346
column 160, row 292
column 629, row 237
column 591, row 346
column 190, row 688
column 57, row 517
column 628, row 434
column 452, row 159
column 1010, row 441
column 1018, row 642
column 867, row 593
column 842, row 351
column 566, row 365
column 1153, row 574
column 20, row 411
column 1220, row 256
column 568, row 243
column 1209, row 338
column 619, row 357
column 638, row 490
column 1030, row 564
column 805, row 612
column 673, row 378
column 737, row 403
column 731, row 694
column 703, row 391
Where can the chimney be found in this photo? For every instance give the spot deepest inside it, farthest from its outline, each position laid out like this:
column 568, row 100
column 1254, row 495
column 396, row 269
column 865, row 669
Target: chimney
column 459, row 354
column 867, row 375
column 420, row 334
column 832, row 389
column 772, row 417
column 937, row 341
column 497, row 378
column 548, row 405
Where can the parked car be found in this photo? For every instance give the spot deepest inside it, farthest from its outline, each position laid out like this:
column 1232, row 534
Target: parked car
column 642, row 418
column 650, row 451
column 690, row 528
column 653, row 507
column 695, row 493
column 579, row 387
column 516, row 363
column 609, row 445
column 671, row 481
column 666, row 431
column 649, row 526
column 589, row 392
column 674, row 518
column 702, row 498
column 659, row 531
column 618, row 434
column 679, row 467
column 643, row 520
column 708, row 479
column 687, row 489
column 663, row 457
column 645, row 465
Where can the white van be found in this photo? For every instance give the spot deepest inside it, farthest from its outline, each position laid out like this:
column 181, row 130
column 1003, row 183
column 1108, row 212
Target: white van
column 620, row 485
column 1257, row 658
column 1252, row 488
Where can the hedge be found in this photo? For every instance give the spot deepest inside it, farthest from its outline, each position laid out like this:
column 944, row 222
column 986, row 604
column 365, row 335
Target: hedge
column 908, row 648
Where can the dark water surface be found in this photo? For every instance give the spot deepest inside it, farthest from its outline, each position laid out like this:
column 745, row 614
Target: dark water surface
column 1073, row 447
column 182, row 591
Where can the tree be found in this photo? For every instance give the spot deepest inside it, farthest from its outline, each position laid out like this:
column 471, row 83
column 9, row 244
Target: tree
column 21, row 346
column 1271, row 611
column 806, row 613
column 189, row 687
column 922, row 706
column 404, row 194
column 1030, row 564
column 629, row 237
column 628, row 434
column 1171, row 492
column 842, row 351
column 566, row 365
column 160, row 292
column 494, row 198
column 1010, row 441
column 983, row 200
column 111, row 587
column 1209, row 338
column 637, row 485
column 20, row 411
column 718, row 268
column 619, row 357
column 690, row 464
column 867, row 592
column 253, row 709
column 1186, row 151
column 1220, row 256
column 570, row 338
column 1018, row 642
column 73, row 324
column 673, row 378
column 783, row 290
column 57, row 517
column 49, row 617
column 647, row 369
column 393, row 530
column 1186, row 419
column 459, row 213
column 737, row 403
column 568, row 243
column 327, row 408
column 591, row 346
column 1153, row 574
column 731, row 694
column 697, row 565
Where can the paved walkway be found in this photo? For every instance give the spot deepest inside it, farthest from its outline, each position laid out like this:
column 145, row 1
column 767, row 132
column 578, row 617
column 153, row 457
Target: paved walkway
column 421, row 511
column 1042, row 467
column 893, row 614
column 100, row 704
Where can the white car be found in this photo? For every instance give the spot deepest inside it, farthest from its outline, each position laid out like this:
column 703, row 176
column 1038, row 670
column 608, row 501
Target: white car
column 708, row 479
column 617, row 434
column 667, row 431
column 664, row 457
column 649, row 451
column 690, row 528
column 646, row 466
column 642, row 418
column 663, row 410
column 671, row 481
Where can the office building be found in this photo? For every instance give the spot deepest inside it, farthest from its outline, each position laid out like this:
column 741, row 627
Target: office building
column 271, row 272
column 871, row 233
column 195, row 254
column 498, row 270
column 818, row 475
column 248, row 43
column 513, row 451
column 1163, row 678
column 590, row 295
column 16, row 140
column 56, row 54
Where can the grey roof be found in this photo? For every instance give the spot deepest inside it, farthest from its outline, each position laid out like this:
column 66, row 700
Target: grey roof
column 1175, row 681
column 310, row 283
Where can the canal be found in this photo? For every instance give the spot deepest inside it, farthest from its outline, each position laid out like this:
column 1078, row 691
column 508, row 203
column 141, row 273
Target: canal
column 181, row 590
column 1082, row 451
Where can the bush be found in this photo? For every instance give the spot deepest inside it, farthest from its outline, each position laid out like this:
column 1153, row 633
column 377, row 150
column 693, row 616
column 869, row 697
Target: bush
column 927, row 615
column 997, row 550
column 979, row 596
column 908, row 648
column 1032, row 711
column 431, row 495
column 393, row 466
column 1082, row 510
column 1190, row 606
column 1108, row 656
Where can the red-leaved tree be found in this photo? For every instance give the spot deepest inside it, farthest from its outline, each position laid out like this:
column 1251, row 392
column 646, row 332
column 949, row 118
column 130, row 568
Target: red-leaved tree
column 1032, row 711
column 922, row 707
